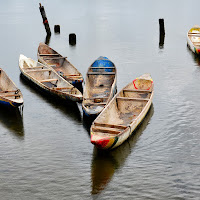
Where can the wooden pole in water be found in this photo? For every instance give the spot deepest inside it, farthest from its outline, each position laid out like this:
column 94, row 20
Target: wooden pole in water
column 72, row 38
column 45, row 21
column 162, row 27
column 162, row 33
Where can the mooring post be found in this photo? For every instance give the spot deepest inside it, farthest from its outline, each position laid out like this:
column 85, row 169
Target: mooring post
column 45, row 21
column 72, row 38
column 162, row 33
column 162, row 27
column 57, row 28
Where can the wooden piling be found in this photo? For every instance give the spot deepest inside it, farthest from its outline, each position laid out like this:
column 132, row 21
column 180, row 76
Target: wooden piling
column 162, row 27
column 162, row 33
column 57, row 28
column 45, row 21
column 72, row 38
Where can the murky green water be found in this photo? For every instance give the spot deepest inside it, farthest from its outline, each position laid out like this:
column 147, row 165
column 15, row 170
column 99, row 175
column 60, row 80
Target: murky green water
column 46, row 152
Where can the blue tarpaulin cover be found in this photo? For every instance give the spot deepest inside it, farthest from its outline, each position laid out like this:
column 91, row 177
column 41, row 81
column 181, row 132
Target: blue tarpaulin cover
column 103, row 62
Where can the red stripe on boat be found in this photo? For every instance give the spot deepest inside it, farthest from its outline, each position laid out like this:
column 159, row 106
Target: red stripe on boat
column 99, row 143
column 134, row 83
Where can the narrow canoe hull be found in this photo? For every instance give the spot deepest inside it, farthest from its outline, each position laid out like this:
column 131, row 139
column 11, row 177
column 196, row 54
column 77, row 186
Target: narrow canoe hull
column 100, row 86
column 60, row 64
column 105, row 135
column 193, row 39
column 10, row 95
column 57, row 89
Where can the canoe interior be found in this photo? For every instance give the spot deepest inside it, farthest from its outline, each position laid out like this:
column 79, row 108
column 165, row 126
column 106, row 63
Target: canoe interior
column 124, row 108
column 98, row 86
column 59, row 63
column 194, row 35
column 8, row 89
column 47, row 77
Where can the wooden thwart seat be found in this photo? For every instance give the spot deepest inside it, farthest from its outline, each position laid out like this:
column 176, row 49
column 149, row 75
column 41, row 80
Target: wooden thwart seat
column 94, row 104
column 131, row 99
column 101, row 73
column 11, row 95
column 36, row 67
column 105, row 130
column 54, row 58
column 62, row 88
column 48, row 80
column 110, row 125
column 92, row 98
column 54, row 54
column 39, row 70
column 102, row 67
column 8, row 91
column 136, row 90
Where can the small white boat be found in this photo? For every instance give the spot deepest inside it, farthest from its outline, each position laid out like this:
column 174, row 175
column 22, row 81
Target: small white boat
column 47, row 79
column 10, row 95
column 193, row 39
column 123, row 114
column 100, row 86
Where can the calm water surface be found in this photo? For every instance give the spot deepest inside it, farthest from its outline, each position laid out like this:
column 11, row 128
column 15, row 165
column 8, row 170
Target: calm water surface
column 46, row 152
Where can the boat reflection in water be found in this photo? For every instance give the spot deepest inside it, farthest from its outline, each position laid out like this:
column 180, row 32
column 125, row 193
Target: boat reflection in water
column 105, row 163
column 12, row 119
column 195, row 56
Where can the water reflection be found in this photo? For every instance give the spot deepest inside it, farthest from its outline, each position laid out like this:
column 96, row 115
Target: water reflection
column 161, row 40
column 105, row 163
column 66, row 106
column 195, row 56
column 12, row 119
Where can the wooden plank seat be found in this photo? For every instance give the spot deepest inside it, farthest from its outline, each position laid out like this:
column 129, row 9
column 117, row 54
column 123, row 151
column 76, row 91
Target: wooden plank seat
column 10, row 95
column 105, row 130
column 54, row 58
column 95, row 104
column 102, row 67
column 62, row 88
column 110, row 125
column 131, row 99
column 8, row 91
column 101, row 73
column 92, row 98
column 39, row 70
column 136, row 90
column 73, row 75
column 36, row 67
column 48, row 80
column 48, row 54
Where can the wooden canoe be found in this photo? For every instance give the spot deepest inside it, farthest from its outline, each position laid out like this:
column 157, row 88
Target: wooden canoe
column 10, row 95
column 60, row 64
column 100, row 86
column 123, row 114
column 193, row 39
column 47, row 79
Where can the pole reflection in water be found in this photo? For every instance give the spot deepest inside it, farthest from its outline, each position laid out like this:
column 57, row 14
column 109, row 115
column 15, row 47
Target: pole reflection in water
column 66, row 106
column 12, row 119
column 105, row 163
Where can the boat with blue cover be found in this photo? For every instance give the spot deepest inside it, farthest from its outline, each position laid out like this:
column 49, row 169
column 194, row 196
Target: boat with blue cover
column 10, row 95
column 100, row 86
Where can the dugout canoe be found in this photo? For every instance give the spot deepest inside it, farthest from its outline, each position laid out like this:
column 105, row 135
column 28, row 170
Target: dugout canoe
column 10, row 95
column 60, row 64
column 123, row 114
column 100, row 86
column 47, row 79
column 193, row 39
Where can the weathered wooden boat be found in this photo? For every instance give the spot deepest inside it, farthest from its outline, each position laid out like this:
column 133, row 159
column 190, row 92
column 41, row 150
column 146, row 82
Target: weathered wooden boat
column 193, row 39
column 60, row 64
column 123, row 114
column 10, row 95
column 100, row 86
column 47, row 79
